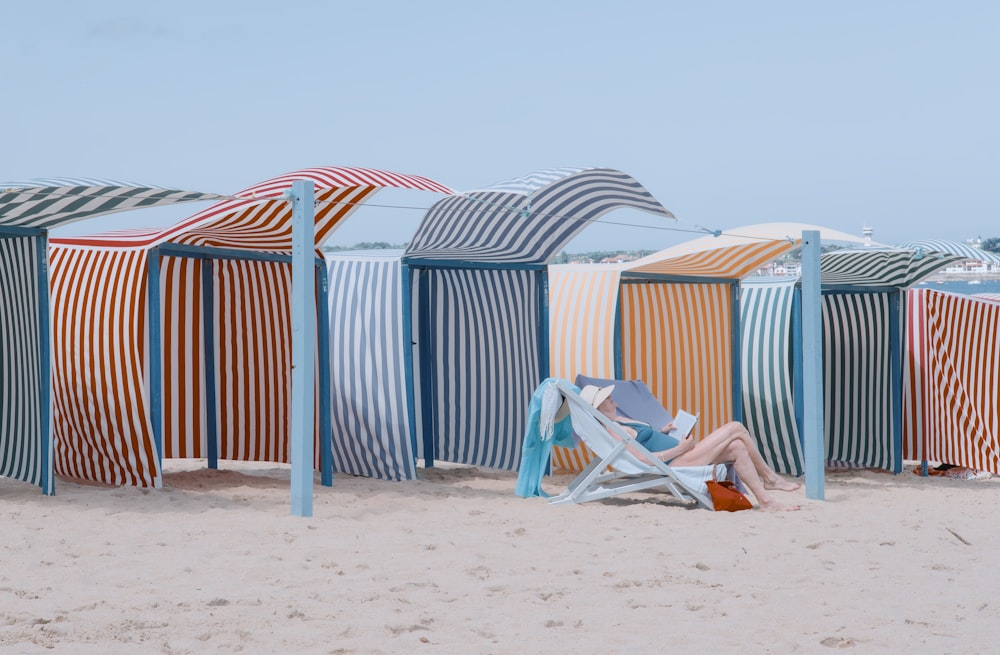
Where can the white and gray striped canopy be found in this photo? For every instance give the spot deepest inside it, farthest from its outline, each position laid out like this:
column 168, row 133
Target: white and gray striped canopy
column 55, row 202
column 881, row 267
column 527, row 219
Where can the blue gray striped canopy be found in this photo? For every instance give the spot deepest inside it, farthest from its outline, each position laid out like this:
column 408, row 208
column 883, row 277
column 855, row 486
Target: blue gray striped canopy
column 526, row 220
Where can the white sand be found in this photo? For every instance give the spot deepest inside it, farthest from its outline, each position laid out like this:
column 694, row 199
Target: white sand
column 456, row 563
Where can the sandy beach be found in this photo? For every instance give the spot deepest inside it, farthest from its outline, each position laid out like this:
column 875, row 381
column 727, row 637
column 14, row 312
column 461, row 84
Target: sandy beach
column 456, row 563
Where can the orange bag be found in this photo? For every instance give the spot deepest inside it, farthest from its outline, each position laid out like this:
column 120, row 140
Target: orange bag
column 725, row 496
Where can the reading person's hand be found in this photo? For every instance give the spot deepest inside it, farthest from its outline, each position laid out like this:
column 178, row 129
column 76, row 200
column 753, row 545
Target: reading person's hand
column 687, row 443
column 667, row 428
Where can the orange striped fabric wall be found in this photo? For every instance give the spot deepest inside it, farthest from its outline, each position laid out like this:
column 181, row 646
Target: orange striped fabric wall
column 101, row 427
column 677, row 338
column 583, row 300
column 960, row 380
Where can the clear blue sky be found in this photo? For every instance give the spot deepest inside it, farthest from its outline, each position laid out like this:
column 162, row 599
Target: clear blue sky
column 843, row 113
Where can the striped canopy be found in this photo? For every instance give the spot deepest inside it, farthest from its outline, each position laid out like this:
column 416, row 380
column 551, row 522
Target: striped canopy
column 109, row 437
column 733, row 254
column 55, row 202
column 962, row 250
column 880, row 267
column 528, row 219
column 260, row 217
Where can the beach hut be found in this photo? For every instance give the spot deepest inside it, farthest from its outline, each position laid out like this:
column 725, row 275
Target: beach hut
column 952, row 369
column 863, row 292
column 28, row 211
column 175, row 343
column 476, row 301
column 671, row 319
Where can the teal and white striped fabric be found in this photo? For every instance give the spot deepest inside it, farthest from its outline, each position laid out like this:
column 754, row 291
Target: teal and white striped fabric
column 768, row 388
column 857, row 385
column 54, row 202
column 370, row 415
column 22, row 389
column 881, row 268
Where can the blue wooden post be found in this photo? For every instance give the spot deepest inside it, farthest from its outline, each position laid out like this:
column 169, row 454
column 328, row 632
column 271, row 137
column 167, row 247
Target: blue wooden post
column 544, row 363
column 812, row 366
column 47, row 482
column 303, row 340
column 409, row 378
column 323, row 344
column 208, row 326
column 736, row 344
column 155, row 359
column 896, row 375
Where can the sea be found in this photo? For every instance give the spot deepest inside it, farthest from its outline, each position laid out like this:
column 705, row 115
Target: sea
column 962, row 286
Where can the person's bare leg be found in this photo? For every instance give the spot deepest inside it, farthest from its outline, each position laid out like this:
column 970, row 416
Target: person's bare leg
column 744, row 465
column 772, row 481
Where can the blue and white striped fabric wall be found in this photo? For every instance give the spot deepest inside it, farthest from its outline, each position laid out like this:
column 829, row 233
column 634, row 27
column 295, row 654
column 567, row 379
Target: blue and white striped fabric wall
column 857, row 385
column 767, row 366
column 371, row 434
column 21, row 439
column 484, row 352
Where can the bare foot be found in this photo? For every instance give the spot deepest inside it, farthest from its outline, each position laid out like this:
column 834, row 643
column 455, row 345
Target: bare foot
column 772, row 506
column 781, row 484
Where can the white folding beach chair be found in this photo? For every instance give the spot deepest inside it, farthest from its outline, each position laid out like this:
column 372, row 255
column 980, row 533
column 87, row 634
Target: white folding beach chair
column 616, row 470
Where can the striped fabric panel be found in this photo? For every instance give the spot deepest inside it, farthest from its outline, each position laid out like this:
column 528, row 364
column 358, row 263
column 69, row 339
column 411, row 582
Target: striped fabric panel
column 767, row 364
column 371, row 434
column 259, row 217
column 254, row 359
column 484, row 362
column 100, row 418
column 512, row 227
column 879, row 268
column 857, row 385
column 733, row 262
column 989, row 297
column 676, row 338
column 963, row 384
column 915, row 374
column 528, row 184
column 962, row 250
column 56, row 202
column 21, row 438
column 183, row 345
column 583, row 300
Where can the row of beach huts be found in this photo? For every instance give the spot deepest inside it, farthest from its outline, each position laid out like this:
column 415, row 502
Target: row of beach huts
column 123, row 349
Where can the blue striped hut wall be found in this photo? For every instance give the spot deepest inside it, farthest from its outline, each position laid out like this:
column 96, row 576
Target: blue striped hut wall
column 369, row 410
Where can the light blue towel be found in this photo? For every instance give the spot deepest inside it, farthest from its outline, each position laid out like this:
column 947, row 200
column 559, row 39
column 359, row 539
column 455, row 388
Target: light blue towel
column 537, row 448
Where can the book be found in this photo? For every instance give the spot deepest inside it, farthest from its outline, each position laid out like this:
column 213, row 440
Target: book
column 683, row 424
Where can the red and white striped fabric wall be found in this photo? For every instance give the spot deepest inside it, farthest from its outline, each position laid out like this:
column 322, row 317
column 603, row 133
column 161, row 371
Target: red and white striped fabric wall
column 954, row 380
column 101, row 426
column 677, row 338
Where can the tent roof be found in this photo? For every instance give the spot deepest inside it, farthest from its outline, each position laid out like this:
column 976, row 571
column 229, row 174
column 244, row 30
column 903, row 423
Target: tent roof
column 735, row 253
column 260, row 217
column 54, row 202
column 528, row 219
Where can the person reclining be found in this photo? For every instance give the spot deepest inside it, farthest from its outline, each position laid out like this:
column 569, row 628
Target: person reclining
column 729, row 443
